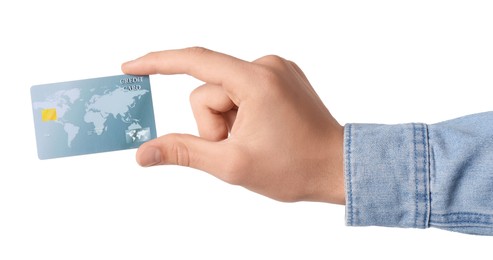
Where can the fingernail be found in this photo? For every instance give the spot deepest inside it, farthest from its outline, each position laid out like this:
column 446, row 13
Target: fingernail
column 149, row 157
column 128, row 63
column 125, row 64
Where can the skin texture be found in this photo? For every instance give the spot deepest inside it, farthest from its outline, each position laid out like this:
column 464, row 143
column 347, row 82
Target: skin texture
column 261, row 126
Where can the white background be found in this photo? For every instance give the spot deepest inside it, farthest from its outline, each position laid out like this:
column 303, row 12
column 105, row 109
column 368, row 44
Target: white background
column 370, row 61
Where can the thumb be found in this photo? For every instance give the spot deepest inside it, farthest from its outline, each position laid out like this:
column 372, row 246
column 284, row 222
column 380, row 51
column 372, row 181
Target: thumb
column 218, row 158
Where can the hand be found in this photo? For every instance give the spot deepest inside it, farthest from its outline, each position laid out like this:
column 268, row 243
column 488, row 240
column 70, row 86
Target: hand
column 261, row 125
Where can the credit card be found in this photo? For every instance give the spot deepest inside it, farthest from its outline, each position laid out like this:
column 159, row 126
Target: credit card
column 92, row 115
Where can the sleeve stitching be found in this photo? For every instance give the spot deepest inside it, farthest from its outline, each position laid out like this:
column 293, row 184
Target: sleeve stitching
column 349, row 202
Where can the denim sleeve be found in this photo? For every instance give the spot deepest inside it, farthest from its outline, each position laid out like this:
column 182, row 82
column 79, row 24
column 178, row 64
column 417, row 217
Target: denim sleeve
column 419, row 176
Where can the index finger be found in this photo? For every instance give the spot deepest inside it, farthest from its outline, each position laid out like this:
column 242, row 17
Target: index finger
column 203, row 64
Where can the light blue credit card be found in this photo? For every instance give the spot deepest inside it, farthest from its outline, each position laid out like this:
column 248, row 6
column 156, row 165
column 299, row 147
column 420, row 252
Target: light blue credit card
column 92, row 115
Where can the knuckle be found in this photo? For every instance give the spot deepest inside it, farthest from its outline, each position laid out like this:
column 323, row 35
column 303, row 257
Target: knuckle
column 268, row 75
column 198, row 97
column 195, row 96
column 271, row 60
column 153, row 54
column 197, row 50
column 154, row 57
column 270, row 81
column 179, row 154
column 271, row 71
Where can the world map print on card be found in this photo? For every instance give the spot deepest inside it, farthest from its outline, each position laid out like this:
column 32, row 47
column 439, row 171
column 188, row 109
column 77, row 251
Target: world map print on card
column 92, row 115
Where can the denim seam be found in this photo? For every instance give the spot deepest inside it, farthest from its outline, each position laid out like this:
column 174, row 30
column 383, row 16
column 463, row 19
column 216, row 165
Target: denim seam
column 426, row 156
column 349, row 203
column 421, row 169
column 465, row 213
column 466, row 218
column 416, row 210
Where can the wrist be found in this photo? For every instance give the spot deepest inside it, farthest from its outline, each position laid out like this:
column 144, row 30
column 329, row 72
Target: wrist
column 332, row 189
column 336, row 168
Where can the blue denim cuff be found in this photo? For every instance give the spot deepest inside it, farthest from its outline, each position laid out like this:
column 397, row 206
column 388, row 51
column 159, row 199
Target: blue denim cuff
column 387, row 175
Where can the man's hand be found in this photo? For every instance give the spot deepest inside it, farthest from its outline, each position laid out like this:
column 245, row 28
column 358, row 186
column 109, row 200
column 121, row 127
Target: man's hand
column 261, row 125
